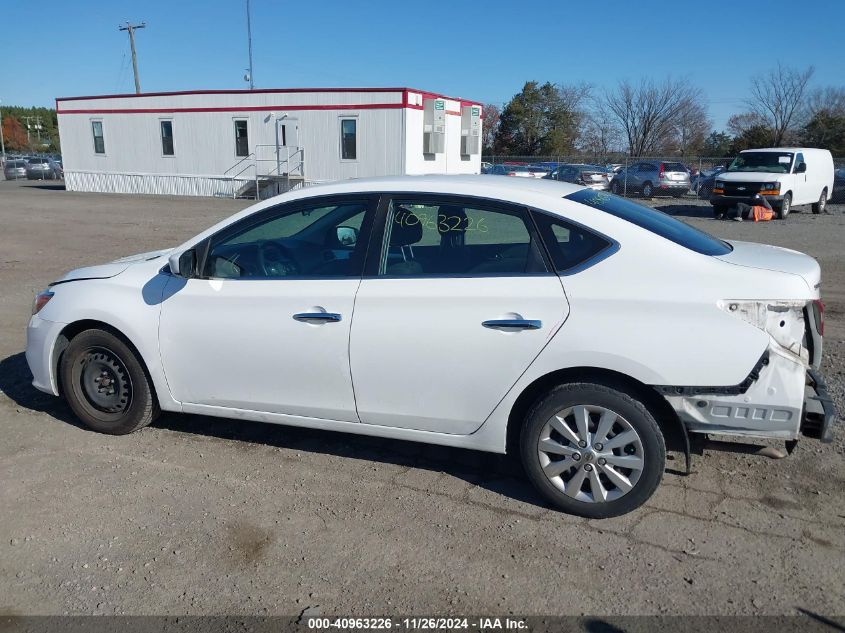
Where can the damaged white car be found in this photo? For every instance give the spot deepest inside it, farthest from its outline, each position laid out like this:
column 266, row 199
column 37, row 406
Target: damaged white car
column 573, row 327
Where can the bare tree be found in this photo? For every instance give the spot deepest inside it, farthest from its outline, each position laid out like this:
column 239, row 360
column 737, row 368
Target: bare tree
column 777, row 98
column 691, row 129
column 825, row 119
column 830, row 99
column 648, row 113
column 740, row 124
column 600, row 136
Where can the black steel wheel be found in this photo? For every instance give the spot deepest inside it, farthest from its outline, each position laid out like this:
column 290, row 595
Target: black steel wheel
column 105, row 383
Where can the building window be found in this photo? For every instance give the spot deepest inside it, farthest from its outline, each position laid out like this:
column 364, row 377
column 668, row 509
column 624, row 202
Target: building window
column 348, row 139
column 99, row 141
column 166, row 138
column 241, row 138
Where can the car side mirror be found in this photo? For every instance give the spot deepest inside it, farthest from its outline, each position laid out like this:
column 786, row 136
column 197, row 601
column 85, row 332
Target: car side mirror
column 184, row 264
column 347, row 235
column 802, row 167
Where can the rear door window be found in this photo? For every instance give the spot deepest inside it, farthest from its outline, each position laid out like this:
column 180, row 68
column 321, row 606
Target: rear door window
column 446, row 237
column 571, row 247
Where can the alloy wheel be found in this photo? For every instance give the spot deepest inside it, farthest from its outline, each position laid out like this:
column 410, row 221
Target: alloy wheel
column 591, row 453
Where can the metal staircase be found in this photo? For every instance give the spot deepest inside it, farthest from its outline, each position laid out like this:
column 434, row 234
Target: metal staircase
column 268, row 171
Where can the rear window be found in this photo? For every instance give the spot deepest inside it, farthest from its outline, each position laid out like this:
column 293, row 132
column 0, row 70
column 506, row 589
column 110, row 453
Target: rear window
column 673, row 167
column 652, row 220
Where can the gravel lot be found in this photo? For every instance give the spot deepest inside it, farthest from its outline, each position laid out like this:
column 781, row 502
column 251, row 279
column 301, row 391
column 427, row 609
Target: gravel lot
column 205, row 516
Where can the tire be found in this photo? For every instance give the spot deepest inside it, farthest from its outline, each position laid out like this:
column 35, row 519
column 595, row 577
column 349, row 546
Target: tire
column 616, row 188
column 818, row 207
column 106, row 385
column 719, row 211
column 704, row 191
column 785, row 207
column 648, row 189
column 589, row 485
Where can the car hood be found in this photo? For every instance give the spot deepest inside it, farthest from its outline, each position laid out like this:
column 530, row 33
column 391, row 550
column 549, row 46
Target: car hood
column 104, row 271
column 783, row 260
column 748, row 176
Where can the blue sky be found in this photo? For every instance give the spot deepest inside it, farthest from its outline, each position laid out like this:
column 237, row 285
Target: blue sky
column 476, row 50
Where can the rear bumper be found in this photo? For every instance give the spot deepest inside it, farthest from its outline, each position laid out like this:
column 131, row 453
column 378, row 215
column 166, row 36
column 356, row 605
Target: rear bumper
column 675, row 187
column 819, row 412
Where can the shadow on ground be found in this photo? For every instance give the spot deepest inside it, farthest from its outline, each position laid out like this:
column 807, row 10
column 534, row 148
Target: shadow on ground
column 687, row 210
column 497, row 473
column 53, row 187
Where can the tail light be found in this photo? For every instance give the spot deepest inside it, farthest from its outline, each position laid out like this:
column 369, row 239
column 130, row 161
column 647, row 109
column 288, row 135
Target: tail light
column 511, row 173
column 662, row 173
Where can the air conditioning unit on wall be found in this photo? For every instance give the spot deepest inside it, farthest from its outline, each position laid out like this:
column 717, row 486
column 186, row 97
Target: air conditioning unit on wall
column 434, row 126
column 470, row 130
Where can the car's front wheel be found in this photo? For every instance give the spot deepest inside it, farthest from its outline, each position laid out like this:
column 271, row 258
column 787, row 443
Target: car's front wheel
column 592, row 450
column 105, row 384
column 785, row 207
column 648, row 190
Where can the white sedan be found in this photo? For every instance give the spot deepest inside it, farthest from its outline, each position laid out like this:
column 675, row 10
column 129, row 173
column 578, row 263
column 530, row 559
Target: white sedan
column 569, row 325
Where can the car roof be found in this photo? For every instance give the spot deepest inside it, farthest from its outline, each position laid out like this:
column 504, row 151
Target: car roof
column 782, row 149
column 457, row 185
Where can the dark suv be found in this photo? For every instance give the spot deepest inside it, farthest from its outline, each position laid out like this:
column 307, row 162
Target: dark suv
column 652, row 178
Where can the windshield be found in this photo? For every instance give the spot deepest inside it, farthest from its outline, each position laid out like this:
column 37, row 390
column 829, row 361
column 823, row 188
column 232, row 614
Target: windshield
column 769, row 162
column 652, row 220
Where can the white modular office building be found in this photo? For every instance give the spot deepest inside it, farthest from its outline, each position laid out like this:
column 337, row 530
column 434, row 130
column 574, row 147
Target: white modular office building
column 243, row 142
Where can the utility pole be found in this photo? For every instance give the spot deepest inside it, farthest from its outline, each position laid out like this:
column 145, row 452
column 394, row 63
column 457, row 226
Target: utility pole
column 249, row 40
column 131, row 28
column 37, row 127
column 2, row 142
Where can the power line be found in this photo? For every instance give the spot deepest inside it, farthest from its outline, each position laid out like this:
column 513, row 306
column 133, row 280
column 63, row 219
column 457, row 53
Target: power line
column 131, row 28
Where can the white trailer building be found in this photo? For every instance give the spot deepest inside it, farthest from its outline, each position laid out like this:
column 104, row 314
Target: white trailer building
column 237, row 142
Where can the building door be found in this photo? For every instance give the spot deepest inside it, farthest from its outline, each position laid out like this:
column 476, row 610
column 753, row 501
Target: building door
column 288, row 155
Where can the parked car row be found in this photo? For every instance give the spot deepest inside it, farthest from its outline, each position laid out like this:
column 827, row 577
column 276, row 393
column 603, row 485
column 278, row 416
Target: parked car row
column 33, row 168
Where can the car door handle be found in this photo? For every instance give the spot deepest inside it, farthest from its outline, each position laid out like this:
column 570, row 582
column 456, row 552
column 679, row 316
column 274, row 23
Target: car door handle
column 331, row 317
column 513, row 324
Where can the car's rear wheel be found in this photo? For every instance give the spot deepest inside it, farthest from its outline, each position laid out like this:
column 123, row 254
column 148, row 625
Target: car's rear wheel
column 785, row 207
column 648, row 190
column 616, row 188
column 819, row 206
column 105, row 384
column 592, row 450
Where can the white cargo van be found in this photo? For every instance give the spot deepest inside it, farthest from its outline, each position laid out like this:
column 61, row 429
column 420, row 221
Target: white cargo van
column 785, row 176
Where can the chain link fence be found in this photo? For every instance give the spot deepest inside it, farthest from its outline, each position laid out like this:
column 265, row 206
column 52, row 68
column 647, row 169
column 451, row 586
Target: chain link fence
column 634, row 176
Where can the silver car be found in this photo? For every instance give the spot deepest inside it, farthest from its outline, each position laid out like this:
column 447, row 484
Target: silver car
column 39, row 169
column 591, row 176
column 652, row 178
column 14, row 169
